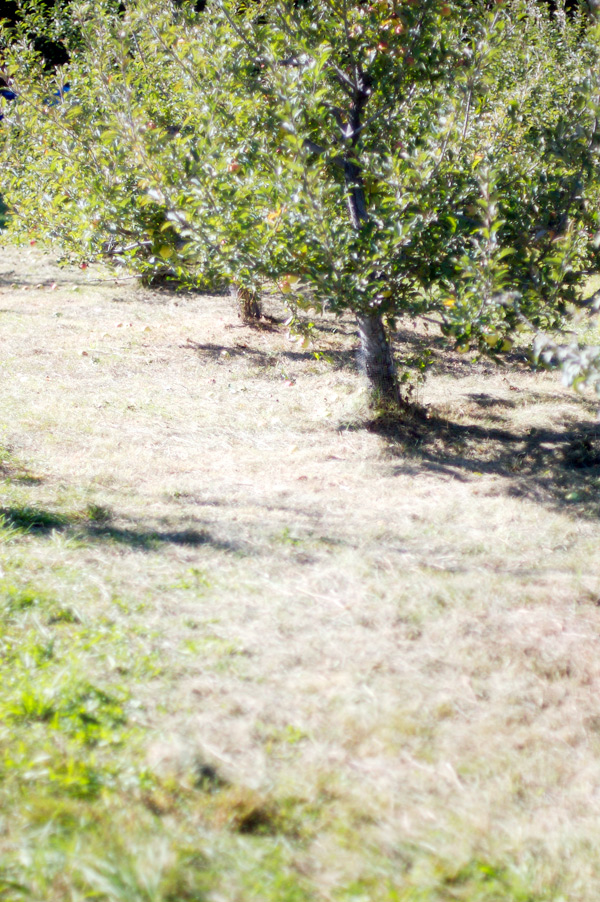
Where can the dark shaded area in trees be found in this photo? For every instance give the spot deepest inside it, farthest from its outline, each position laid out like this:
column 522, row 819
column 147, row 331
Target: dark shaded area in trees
column 8, row 10
column 199, row 5
column 571, row 6
column 54, row 53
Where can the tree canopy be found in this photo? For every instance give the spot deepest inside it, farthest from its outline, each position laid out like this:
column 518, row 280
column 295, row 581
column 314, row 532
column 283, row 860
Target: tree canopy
column 392, row 159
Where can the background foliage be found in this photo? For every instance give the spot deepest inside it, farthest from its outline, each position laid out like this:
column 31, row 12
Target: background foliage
column 233, row 146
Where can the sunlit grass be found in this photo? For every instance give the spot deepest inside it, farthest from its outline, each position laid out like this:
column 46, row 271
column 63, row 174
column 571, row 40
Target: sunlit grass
column 256, row 646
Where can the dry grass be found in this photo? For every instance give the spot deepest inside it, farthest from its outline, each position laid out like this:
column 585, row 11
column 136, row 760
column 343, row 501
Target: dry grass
column 396, row 629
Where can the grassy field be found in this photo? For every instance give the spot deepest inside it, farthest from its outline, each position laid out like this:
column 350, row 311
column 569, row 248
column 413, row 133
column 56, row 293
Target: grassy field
column 258, row 646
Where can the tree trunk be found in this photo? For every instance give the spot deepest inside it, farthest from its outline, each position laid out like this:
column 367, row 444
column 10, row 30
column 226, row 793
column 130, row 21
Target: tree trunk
column 375, row 348
column 249, row 302
column 378, row 360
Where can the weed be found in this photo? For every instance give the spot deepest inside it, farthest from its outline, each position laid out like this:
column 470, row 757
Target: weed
column 96, row 513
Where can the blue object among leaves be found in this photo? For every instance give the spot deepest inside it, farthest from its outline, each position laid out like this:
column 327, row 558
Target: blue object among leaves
column 7, row 94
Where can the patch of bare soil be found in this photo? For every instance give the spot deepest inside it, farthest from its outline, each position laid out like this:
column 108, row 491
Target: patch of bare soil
column 402, row 620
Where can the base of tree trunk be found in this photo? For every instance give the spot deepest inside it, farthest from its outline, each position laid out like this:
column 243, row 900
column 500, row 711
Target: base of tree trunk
column 159, row 278
column 378, row 362
column 249, row 303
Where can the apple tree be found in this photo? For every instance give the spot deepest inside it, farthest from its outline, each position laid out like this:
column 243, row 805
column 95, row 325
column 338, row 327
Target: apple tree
column 392, row 158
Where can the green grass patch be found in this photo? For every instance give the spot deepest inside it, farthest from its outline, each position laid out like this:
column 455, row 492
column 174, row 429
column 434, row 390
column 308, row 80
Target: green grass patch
column 87, row 818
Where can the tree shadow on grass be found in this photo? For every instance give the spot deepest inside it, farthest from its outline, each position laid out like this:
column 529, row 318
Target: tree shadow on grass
column 15, row 473
column 40, row 522
column 220, row 353
column 12, row 470
column 557, row 467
